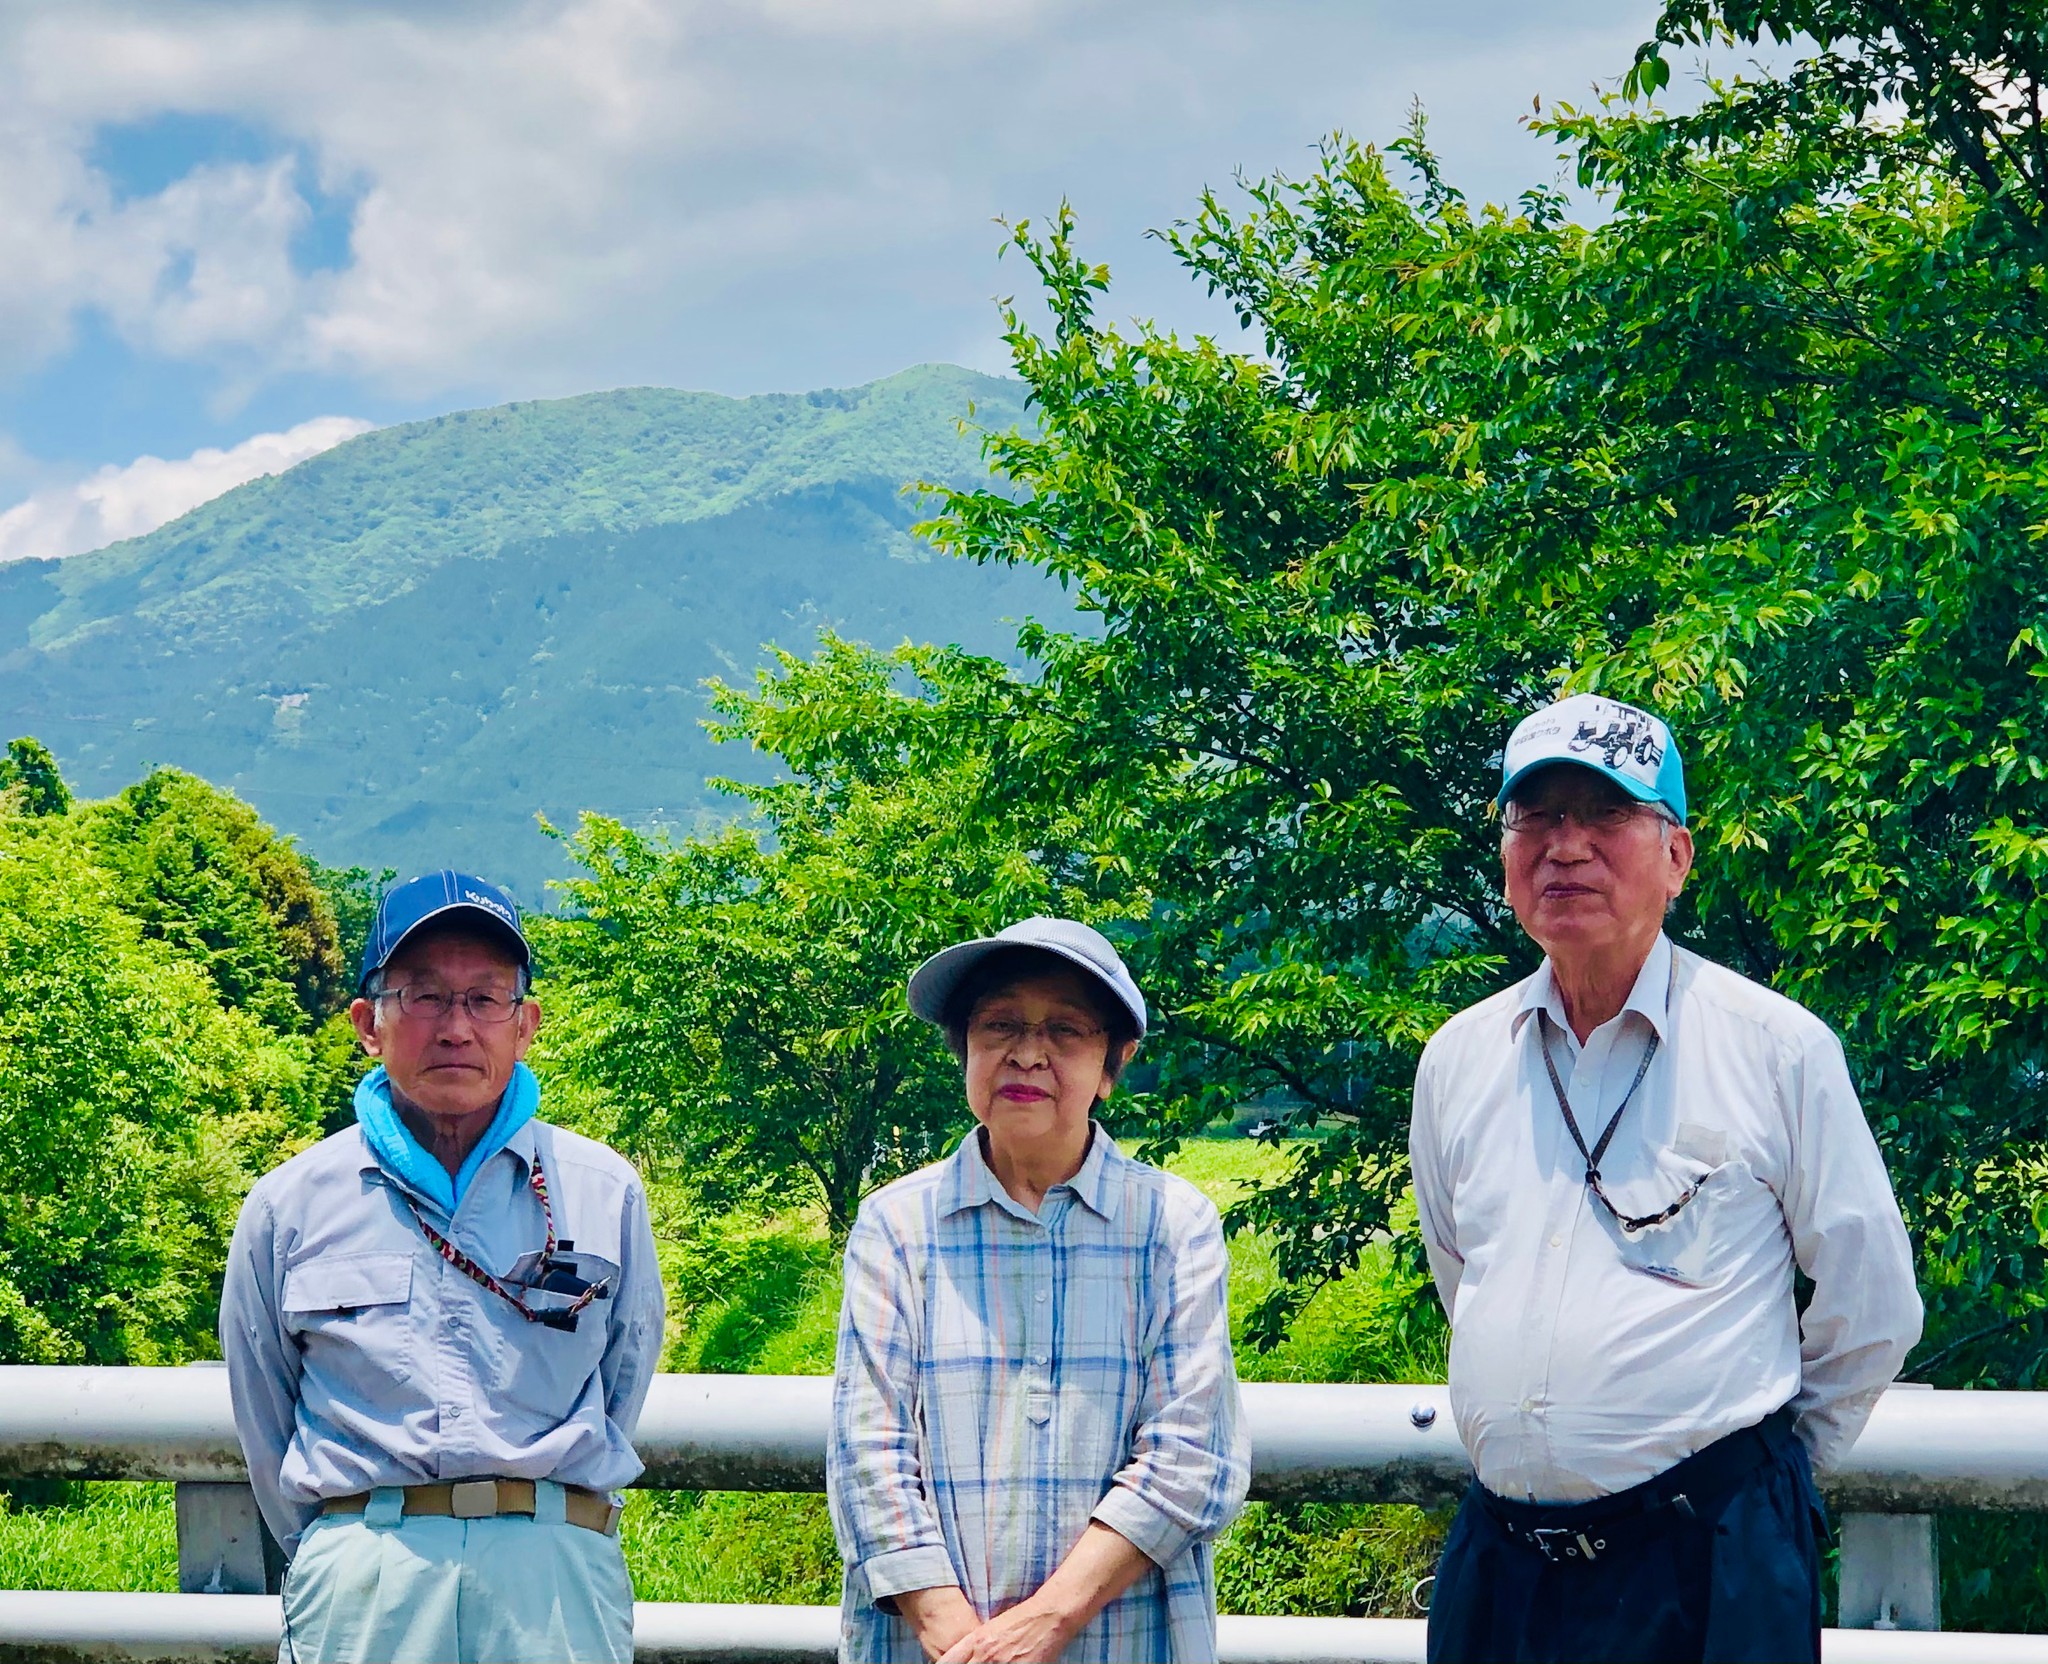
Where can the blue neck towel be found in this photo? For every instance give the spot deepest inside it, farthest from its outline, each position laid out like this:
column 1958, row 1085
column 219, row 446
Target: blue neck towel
column 405, row 1159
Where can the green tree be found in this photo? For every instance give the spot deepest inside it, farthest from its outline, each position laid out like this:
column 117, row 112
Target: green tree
column 1281, row 724
column 1763, row 450
column 353, row 893
column 134, row 1111
column 31, row 781
column 741, row 993
column 205, row 874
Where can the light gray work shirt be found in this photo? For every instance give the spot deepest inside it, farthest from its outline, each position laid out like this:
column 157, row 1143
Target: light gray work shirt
column 358, row 1357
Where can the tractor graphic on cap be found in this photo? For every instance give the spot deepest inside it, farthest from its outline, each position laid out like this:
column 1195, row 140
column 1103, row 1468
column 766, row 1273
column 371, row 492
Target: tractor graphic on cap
column 1632, row 735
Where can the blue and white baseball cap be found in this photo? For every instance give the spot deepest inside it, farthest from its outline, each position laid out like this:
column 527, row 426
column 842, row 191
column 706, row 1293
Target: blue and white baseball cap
column 1622, row 743
column 933, row 982
column 438, row 895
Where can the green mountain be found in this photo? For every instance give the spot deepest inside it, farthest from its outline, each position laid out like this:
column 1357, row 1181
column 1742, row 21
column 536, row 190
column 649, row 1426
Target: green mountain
column 404, row 649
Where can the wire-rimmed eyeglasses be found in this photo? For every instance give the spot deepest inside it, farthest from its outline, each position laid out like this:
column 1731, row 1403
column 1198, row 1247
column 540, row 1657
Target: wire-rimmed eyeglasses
column 484, row 1005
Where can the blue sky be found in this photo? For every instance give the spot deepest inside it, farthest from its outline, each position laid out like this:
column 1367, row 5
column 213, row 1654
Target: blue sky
column 224, row 220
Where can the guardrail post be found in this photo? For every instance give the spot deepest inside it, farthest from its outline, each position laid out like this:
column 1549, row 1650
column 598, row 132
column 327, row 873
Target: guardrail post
column 223, row 1548
column 1890, row 1566
column 1891, row 1572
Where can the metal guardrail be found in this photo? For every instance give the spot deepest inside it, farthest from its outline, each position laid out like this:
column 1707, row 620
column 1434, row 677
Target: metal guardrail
column 243, row 1629
column 1923, row 1450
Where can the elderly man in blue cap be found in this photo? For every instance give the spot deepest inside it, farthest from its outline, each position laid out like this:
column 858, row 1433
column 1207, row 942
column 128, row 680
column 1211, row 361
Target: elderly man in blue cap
column 441, row 1323
column 1619, row 1162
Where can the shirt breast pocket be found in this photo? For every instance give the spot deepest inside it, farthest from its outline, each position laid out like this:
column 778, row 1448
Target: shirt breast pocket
column 547, row 1368
column 1699, row 1245
column 337, row 1289
column 352, row 1314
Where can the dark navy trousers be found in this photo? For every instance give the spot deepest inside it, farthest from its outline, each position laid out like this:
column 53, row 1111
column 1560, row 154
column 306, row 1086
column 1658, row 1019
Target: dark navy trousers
column 1727, row 1578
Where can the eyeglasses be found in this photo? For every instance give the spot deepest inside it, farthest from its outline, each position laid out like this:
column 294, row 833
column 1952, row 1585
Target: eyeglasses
column 484, row 1005
column 1589, row 817
column 1007, row 1033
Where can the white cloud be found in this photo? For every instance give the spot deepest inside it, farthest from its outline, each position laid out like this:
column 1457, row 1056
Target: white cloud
column 554, row 194
column 114, row 502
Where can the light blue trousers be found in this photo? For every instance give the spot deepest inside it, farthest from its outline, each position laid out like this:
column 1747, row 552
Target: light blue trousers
column 374, row 1588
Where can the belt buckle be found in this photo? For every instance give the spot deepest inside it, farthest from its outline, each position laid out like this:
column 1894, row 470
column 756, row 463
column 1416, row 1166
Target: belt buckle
column 473, row 1499
column 1575, row 1544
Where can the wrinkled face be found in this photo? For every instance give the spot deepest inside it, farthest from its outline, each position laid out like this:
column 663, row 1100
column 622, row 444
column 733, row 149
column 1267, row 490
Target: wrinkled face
column 1594, row 870
column 1037, row 1058
column 453, row 1064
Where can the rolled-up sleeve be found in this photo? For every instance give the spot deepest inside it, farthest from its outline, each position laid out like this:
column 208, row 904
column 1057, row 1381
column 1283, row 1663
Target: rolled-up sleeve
column 632, row 1349
column 263, row 1367
column 1847, row 1236
column 874, row 1480
column 1190, row 1455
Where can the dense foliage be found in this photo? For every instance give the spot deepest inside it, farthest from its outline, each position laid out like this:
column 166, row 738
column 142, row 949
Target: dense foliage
column 205, row 874
column 740, row 994
column 1763, row 451
column 135, row 1107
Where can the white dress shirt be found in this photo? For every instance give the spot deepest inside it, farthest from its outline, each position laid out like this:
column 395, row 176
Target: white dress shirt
column 1585, row 1359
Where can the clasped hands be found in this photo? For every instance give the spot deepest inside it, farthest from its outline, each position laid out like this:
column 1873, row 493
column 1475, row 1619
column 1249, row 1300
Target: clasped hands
column 952, row 1632
column 1101, row 1566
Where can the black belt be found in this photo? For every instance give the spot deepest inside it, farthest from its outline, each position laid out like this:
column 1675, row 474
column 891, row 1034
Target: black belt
column 1576, row 1532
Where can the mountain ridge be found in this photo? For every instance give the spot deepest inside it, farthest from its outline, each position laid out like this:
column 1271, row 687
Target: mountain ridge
column 405, row 649
column 178, row 572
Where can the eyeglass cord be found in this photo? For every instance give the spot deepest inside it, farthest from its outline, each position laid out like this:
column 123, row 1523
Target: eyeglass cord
column 1593, row 1157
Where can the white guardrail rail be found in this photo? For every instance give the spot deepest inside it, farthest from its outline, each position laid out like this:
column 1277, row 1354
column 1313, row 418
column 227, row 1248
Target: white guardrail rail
column 1922, row 1451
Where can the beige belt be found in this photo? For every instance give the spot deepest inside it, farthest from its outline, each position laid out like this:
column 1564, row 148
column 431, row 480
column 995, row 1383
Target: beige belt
column 482, row 1499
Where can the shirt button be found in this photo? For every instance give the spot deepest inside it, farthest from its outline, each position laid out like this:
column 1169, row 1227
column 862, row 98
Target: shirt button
column 1528, row 1405
column 1557, row 1241
column 1042, row 1297
column 455, row 1411
column 1039, row 1358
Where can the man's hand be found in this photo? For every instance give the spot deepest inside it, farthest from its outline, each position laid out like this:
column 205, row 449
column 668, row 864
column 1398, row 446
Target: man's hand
column 941, row 1617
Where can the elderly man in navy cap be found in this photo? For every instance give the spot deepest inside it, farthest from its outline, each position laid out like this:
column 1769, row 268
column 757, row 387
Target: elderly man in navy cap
column 1618, row 1163
column 440, row 1326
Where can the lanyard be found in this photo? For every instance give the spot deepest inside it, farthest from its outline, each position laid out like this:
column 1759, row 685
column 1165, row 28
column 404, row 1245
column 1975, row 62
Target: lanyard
column 563, row 1319
column 1592, row 1156
column 1571, row 1121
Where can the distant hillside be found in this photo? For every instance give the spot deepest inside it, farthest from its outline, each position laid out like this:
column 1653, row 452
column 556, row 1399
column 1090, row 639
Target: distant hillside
column 403, row 649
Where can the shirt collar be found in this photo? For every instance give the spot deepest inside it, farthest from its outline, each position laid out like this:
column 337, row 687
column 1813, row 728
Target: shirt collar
column 1649, row 999
column 521, row 1145
column 969, row 1183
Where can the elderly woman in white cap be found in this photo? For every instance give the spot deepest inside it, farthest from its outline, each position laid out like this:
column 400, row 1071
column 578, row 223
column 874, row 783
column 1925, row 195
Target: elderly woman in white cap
column 1035, row 1417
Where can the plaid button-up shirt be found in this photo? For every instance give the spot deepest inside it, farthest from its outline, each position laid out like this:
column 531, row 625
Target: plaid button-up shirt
column 1005, row 1377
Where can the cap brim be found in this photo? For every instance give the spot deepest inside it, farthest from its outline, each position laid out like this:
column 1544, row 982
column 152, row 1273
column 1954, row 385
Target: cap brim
column 1635, row 788
column 933, row 983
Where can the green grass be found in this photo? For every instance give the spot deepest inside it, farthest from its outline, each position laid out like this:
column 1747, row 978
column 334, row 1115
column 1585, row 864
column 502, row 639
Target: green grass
column 761, row 1547
column 75, row 1536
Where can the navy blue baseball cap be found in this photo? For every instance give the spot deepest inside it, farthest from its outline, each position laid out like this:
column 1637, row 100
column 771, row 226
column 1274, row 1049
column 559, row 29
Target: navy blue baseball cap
column 440, row 895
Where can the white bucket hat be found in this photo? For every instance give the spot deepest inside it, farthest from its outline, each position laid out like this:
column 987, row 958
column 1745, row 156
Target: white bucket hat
column 932, row 983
